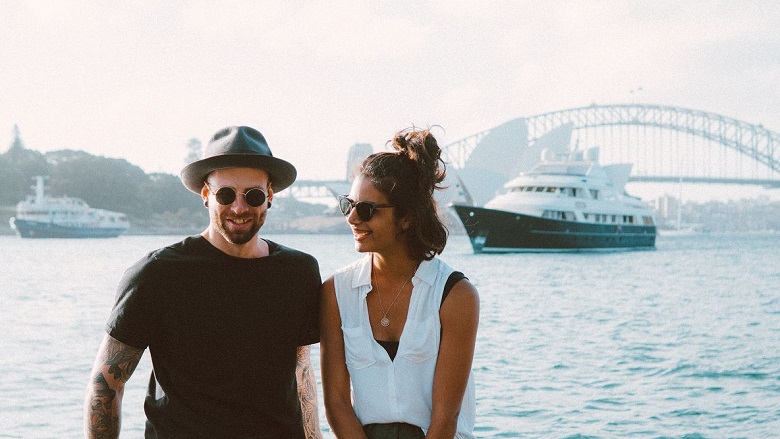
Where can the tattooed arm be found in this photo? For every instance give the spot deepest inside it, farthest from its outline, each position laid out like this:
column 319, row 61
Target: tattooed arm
column 114, row 364
column 307, row 393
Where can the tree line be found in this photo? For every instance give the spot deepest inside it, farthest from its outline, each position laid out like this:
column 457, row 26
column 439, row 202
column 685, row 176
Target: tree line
column 153, row 203
column 106, row 183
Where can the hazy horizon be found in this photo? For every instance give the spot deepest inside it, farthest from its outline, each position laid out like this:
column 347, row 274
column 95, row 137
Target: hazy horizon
column 139, row 80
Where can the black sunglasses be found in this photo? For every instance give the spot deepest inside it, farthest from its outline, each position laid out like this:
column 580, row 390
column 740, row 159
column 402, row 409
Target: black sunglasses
column 365, row 209
column 254, row 197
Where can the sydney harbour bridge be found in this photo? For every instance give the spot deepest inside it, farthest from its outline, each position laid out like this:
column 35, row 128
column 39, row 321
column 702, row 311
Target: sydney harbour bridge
column 664, row 144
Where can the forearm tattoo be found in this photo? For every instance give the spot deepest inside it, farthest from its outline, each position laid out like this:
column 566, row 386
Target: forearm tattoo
column 307, row 394
column 103, row 419
column 122, row 363
column 118, row 363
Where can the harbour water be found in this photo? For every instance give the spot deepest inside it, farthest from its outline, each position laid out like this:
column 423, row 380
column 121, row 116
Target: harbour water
column 679, row 342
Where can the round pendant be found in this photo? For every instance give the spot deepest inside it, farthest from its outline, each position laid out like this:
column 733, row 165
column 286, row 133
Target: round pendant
column 385, row 322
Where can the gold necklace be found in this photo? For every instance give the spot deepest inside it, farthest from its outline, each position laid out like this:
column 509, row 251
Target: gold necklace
column 385, row 321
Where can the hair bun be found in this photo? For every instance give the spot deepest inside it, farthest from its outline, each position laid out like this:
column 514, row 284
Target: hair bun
column 422, row 149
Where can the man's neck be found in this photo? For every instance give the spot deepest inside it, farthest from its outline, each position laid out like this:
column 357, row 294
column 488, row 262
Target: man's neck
column 255, row 248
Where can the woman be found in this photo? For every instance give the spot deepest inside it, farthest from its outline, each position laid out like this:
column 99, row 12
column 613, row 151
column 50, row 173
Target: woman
column 388, row 329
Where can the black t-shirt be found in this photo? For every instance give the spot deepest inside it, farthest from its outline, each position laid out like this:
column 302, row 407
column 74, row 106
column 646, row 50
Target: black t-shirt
column 223, row 334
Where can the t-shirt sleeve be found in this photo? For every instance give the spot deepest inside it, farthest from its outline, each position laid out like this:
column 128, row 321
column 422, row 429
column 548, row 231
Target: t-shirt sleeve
column 309, row 332
column 131, row 320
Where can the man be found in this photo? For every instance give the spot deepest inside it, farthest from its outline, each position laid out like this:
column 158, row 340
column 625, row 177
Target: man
column 227, row 316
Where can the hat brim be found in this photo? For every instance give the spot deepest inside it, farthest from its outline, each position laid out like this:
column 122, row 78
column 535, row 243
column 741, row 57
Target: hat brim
column 282, row 173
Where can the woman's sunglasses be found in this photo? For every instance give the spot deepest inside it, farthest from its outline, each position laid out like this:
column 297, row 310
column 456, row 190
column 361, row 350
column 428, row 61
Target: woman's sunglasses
column 365, row 209
column 254, row 197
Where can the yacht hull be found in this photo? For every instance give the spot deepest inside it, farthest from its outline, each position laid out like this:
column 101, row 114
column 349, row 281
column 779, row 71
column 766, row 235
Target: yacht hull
column 37, row 229
column 498, row 231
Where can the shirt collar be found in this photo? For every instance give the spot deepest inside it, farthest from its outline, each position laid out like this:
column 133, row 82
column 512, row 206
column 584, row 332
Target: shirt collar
column 426, row 272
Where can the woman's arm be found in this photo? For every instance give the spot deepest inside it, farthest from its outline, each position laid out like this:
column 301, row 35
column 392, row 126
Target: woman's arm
column 114, row 364
column 335, row 377
column 459, row 320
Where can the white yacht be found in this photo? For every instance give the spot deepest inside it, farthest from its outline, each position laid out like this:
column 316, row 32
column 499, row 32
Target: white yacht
column 41, row 216
column 565, row 202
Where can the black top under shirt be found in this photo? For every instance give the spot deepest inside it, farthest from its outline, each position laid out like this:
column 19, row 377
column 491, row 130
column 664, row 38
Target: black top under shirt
column 392, row 346
column 223, row 334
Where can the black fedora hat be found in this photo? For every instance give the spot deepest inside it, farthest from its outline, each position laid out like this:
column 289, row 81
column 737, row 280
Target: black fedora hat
column 238, row 147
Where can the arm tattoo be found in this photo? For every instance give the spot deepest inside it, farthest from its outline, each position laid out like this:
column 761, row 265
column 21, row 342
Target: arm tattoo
column 103, row 420
column 115, row 364
column 307, row 394
column 122, row 363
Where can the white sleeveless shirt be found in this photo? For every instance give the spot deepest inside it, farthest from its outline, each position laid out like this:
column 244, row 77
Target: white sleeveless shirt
column 384, row 390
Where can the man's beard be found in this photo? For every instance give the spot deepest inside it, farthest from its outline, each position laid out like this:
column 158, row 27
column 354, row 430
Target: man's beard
column 235, row 237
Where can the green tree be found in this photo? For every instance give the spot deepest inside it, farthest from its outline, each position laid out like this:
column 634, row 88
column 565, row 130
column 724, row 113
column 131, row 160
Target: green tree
column 102, row 182
column 17, row 167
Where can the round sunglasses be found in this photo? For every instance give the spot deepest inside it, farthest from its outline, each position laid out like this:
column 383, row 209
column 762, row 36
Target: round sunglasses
column 225, row 196
column 365, row 209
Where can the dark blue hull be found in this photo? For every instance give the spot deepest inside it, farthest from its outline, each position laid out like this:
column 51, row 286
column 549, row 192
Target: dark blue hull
column 35, row 229
column 497, row 231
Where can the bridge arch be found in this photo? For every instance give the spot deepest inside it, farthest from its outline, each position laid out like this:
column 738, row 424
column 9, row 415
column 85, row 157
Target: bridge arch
column 753, row 141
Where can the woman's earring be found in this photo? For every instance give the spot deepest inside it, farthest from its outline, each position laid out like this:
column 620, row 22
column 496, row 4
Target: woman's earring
column 269, row 204
column 206, row 202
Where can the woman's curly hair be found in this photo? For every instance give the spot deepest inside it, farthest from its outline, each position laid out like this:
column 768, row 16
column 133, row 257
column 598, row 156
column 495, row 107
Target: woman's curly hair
column 408, row 177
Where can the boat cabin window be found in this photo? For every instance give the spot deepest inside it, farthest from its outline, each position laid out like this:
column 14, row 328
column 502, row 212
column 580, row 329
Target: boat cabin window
column 603, row 218
column 551, row 189
column 647, row 220
column 594, row 193
column 574, row 192
column 559, row 214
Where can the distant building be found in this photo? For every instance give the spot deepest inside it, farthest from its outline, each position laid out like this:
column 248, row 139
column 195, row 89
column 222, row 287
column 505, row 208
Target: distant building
column 357, row 153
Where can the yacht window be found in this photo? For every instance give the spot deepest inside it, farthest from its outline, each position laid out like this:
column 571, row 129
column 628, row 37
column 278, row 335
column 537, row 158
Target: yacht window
column 594, row 193
column 540, row 189
column 647, row 220
column 569, row 216
column 614, row 218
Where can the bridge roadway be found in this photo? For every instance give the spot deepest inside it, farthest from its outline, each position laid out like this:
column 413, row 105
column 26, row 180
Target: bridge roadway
column 767, row 183
column 317, row 189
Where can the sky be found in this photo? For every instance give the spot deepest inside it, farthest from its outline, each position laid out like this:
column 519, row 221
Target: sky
column 138, row 80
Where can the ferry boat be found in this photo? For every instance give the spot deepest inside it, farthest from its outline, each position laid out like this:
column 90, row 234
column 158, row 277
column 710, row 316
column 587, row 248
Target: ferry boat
column 41, row 216
column 563, row 203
